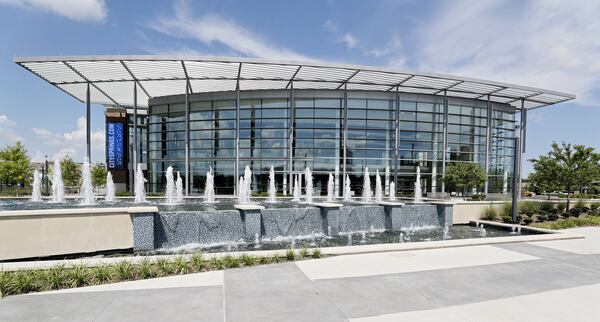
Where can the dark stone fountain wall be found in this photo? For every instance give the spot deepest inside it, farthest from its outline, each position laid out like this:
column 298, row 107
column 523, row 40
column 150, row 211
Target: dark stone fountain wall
column 174, row 229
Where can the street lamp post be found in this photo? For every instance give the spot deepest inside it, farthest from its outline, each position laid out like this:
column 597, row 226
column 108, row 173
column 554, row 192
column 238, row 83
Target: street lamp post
column 45, row 173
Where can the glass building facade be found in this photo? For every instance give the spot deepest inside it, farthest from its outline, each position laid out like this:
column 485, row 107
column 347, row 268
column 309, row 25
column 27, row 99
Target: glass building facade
column 329, row 131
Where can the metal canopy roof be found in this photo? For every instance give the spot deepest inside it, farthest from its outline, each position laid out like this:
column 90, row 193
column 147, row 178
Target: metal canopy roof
column 112, row 79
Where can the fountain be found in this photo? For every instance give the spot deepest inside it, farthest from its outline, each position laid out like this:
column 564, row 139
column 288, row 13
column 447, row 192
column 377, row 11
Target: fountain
column 87, row 189
column 209, row 187
column 296, row 191
column 170, row 189
column 36, row 193
column 245, row 187
column 347, row 189
column 392, row 191
column 179, row 189
column 418, row 192
column 366, row 194
column 256, row 240
column 58, row 189
column 140, row 182
column 272, row 189
column 308, row 181
column 378, row 188
column 330, row 187
column 110, row 188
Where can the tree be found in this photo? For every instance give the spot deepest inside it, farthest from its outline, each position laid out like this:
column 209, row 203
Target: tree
column 464, row 175
column 545, row 177
column 71, row 172
column 567, row 167
column 15, row 165
column 99, row 175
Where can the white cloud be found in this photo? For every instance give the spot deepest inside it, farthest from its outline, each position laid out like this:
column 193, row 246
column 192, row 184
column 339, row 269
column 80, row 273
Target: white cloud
column 8, row 135
column 212, row 28
column 392, row 51
column 350, row 40
column 79, row 10
column 548, row 44
column 72, row 143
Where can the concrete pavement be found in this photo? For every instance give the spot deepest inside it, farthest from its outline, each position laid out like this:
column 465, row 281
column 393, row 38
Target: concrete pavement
column 541, row 281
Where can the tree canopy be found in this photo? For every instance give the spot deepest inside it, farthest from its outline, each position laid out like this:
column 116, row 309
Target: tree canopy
column 15, row 165
column 99, row 175
column 566, row 167
column 71, row 172
column 464, row 175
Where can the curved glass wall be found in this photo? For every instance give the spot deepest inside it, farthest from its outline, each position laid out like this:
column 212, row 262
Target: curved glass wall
column 319, row 120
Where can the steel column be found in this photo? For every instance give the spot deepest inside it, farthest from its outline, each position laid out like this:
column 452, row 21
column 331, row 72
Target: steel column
column 516, row 176
column 237, row 138
column 187, row 138
column 488, row 145
column 522, row 141
column 396, row 136
column 291, row 136
column 135, row 146
column 88, row 116
column 444, row 140
column 345, row 134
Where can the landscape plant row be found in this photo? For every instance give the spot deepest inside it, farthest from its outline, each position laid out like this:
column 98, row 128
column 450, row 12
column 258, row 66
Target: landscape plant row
column 61, row 276
column 532, row 211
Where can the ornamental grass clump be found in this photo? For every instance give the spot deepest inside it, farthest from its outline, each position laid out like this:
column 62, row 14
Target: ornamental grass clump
column 490, row 213
column 248, row 260
column 77, row 275
column 122, row 271
column 54, row 278
column 303, row 253
column 100, row 274
column 231, row 261
column 198, row 263
column 145, row 269
column 164, row 267
column 290, row 254
column 181, row 265
column 316, row 253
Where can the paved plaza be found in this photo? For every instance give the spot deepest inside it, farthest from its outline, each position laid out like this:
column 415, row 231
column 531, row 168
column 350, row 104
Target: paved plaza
column 541, row 281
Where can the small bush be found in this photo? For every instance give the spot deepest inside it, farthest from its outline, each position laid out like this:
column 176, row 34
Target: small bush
column 100, row 275
column 123, row 271
column 507, row 219
column 561, row 206
column 264, row 260
column 145, row 269
column 542, row 218
column 553, row 217
column 231, row 261
column 198, row 262
column 248, row 260
column 527, row 220
column 579, row 204
column 595, row 206
column 163, row 267
column 4, row 280
column 77, row 276
column 571, row 223
column 218, row 263
column 316, row 253
column 181, row 265
column 575, row 212
column 506, row 209
column 290, row 254
column 490, row 213
column 22, row 282
column 277, row 258
column 303, row 253
column 54, row 278
column 478, row 197
column 546, row 207
column 528, row 207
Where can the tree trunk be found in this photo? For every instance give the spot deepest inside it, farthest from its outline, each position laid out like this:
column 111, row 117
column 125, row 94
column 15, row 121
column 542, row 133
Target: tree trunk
column 568, row 199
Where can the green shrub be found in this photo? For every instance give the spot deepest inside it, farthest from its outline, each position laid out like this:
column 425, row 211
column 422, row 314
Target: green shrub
column 145, row 269
column 527, row 220
column 277, row 258
column 303, row 253
column 77, row 275
column 490, row 213
column 264, row 260
column 507, row 219
column 218, row 263
column 198, row 262
column 528, row 207
column 100, row 275
column 163, row 267
column 562, row 206
column 290, row 254
column 506, row 209
column 4, row 280
column 22, row 282
column 248, row 260
column 181, row 265
column 316, row 253
column 542, row 218
column 594, row 206
column 478, row 197
column 546, row 207
column 231, row 261
column 553, row 217
column 575, row 212
column 54, row 278
column 571, row 223
column 123, row 271
column 579, row 204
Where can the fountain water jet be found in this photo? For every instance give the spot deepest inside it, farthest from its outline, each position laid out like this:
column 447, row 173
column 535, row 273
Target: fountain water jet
column 366, row 194
column 245, row 187
column 296, row 191
column 209, row 187
column 87, row 189
column 170, row 188
column 179, row 189
column 308, row 181
column 347, row 189
column 272, row 189
column 330, row 187
column 110, row 188
column 392, row 191
column 378, row 188
column 36, row 193
column 58, row 188
column 140, row 183
column 418, row 192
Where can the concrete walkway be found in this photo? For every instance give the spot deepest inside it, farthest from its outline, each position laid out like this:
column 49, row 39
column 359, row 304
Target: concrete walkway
column 541, row 281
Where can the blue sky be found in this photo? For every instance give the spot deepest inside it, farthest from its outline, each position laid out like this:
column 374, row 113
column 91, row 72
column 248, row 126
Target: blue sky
column 548, row 44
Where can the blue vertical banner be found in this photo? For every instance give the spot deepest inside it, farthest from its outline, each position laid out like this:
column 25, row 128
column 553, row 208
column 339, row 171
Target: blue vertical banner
column 114, row 145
